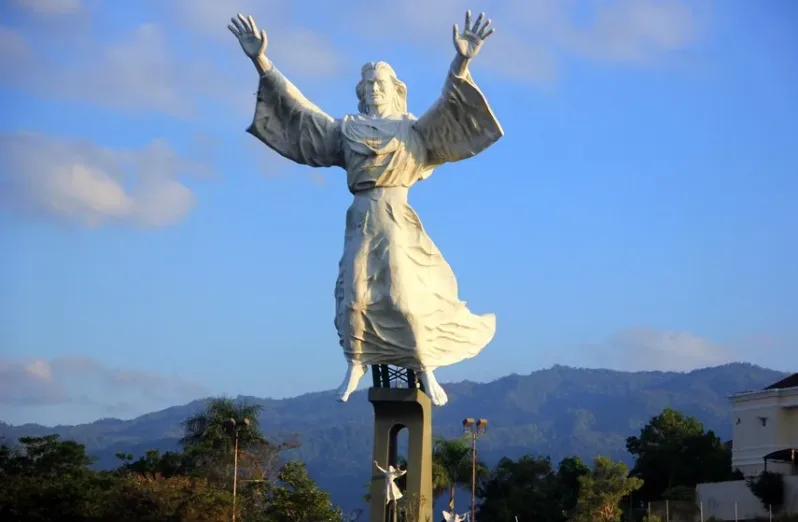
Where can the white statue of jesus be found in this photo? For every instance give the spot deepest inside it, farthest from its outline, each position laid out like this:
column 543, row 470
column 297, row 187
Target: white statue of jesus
column 396, row 298
column 392, row 491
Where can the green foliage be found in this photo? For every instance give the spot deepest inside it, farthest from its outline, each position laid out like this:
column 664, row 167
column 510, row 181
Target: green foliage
column 527, row 488
column 531, row 490
column 452, row 466
column 47, row 479
column 768, row 487
column 209, row 440
column 297, row 499
column 170, row 464
column 139, row 498
column 210, row 429
column 674, row 450
column 570, row 470
column 44, row 479
column 46, row 455
column 601, row 491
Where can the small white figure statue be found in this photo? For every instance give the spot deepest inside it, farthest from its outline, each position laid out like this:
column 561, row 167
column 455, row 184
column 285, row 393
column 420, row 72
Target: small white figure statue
column 392, row 491
column 396, row 299
column 448, row 517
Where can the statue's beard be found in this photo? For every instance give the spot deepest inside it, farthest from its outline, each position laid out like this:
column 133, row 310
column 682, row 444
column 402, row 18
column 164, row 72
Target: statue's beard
column 386, row 106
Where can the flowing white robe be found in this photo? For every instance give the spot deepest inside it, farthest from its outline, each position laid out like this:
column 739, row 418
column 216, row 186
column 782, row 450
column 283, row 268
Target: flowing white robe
column 396, row 297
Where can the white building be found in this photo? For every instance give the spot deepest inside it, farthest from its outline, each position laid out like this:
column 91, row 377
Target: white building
column 765, row 437
column 765, row 425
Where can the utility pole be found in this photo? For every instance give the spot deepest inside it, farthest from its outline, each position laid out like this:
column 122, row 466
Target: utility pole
column 235, row 426
column 474, row 428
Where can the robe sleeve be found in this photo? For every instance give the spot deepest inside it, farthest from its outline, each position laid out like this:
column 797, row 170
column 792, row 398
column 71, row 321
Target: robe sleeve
column 460, row 124
column 294, row 127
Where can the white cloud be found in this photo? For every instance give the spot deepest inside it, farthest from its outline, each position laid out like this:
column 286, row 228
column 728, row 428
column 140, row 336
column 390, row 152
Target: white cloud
column 168, row 68
column 84, row 183
column 534, row 38
column 137, row 71
column 295, row 48
column 150, row 68
column 649, row 349
column 89, row 382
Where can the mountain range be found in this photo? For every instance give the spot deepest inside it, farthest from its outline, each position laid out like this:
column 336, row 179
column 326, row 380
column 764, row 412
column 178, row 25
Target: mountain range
column 560, row 411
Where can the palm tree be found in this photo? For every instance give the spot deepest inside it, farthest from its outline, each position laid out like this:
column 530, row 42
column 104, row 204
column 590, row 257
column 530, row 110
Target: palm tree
column 210, row 428
column 451, row 467
column 208, row 436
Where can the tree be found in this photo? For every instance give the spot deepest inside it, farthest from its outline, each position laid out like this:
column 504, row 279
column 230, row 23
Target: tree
column 209, row 441
column 768, row 487
column 46, row 456
column 148, row 498
column 296, row 498
column 44, row 478
column 568, row 473
column 674, row 450
column 170, row 464
column 452, row 467
column 523, row 488
column 601, row 491
column 210, row 429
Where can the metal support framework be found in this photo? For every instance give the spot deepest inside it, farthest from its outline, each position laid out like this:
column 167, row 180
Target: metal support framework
column 386, row 376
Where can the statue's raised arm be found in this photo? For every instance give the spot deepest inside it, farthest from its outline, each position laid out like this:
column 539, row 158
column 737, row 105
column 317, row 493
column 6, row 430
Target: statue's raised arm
column 284, row 119
column 460, row 124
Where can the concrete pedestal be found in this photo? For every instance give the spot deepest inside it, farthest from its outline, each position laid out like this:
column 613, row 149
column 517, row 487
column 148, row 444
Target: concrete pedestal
column 395, row 409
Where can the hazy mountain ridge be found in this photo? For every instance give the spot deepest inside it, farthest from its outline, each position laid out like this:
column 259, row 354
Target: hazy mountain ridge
column 558, row 412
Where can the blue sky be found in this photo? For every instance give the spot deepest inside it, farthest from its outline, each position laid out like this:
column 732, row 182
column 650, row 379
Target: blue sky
column 640, row 212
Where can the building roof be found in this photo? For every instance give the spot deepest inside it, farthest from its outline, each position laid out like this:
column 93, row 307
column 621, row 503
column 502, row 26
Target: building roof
column 787, row 382
column 783, row 455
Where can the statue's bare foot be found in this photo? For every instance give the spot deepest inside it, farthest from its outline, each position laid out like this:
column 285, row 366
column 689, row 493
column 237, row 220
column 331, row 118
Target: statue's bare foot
column 433, row 389
column 354, row 373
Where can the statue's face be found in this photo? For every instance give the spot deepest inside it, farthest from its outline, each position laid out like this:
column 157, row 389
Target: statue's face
column 378, row 88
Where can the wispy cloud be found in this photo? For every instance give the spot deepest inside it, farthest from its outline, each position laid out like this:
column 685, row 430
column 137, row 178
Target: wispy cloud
column 534, row 39
column 297, row 48
column 89, row 382
column 143, row 70
column 639, row 349
column 134, row 72
column 81, row 182
column 175, row 66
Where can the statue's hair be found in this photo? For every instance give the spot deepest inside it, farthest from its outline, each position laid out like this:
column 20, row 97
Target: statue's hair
column 399, row 99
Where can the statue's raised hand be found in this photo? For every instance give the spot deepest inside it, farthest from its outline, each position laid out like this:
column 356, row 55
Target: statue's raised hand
column 252, row 40
column 469, row 42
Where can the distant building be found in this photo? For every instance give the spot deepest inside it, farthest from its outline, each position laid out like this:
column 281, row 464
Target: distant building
column 765, row 437
column 765, row 429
